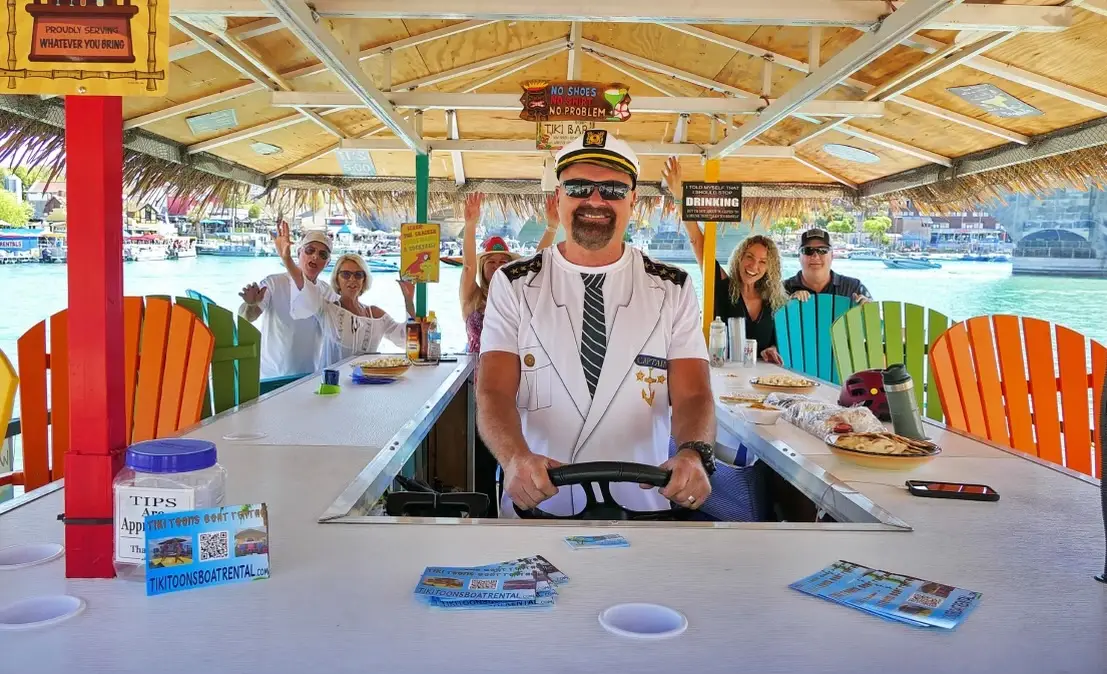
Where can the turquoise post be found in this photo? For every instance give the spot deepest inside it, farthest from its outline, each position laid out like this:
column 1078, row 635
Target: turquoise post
column 422, row 194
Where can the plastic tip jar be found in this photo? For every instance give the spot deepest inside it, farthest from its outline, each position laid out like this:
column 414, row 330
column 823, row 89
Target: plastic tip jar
column 160, row 476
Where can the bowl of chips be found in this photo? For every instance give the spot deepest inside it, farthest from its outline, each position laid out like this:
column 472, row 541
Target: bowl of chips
column 788, row 383
column 383, row 366
column 886, row 451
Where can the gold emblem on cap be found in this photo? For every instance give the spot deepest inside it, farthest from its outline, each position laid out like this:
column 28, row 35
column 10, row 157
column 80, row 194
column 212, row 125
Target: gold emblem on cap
column 595, row 138
column 528, row 360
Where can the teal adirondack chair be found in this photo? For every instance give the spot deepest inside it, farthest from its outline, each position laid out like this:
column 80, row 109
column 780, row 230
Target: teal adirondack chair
column 879, row 334
column 236, row 362
column 803, row 334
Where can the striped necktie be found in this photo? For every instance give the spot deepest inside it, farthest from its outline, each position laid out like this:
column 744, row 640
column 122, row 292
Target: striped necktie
column 594, row 332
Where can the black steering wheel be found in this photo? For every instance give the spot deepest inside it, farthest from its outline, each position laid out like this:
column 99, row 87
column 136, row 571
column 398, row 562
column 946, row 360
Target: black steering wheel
column 602, row 474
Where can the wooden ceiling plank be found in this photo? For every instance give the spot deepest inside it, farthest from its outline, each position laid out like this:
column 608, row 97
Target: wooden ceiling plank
column 862, row 51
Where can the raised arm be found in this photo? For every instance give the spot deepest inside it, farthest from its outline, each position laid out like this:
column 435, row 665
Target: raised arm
column 255, row 299
column 469, row 269
column 283, row 243
column 671, row 172
column 552, row 223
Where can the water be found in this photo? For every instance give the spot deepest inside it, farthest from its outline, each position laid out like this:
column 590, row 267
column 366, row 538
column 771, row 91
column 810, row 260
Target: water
column 31, row 292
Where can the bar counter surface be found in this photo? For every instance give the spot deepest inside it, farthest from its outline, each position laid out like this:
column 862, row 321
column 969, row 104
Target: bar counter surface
column 340, row 596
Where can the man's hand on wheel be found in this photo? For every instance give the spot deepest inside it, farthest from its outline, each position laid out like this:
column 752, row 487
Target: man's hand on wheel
column 688, row 486
column 526, row 479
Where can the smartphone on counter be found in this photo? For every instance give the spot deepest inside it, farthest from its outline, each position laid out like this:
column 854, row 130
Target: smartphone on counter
column 958, row 490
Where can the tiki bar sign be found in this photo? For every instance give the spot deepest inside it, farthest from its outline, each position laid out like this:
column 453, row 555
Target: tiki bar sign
column 97, row 47
column 545, row 101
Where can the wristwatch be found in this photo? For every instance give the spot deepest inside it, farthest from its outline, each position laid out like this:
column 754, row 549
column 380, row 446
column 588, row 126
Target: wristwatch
column 706, row 451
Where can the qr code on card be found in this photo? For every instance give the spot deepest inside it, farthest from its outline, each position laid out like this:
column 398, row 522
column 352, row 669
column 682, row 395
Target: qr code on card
column 483, row 584
column 921, row 599
column 213, row 545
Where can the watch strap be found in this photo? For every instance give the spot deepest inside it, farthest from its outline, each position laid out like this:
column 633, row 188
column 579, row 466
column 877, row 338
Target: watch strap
column 706, row 451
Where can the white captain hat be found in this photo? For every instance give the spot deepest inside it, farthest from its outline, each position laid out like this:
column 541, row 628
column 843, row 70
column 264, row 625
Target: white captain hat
column 601, row 148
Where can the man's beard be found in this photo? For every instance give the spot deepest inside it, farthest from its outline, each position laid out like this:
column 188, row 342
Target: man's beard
column 589, row 234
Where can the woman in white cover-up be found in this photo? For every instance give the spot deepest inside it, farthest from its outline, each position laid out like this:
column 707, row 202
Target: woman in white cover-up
column 350, row 328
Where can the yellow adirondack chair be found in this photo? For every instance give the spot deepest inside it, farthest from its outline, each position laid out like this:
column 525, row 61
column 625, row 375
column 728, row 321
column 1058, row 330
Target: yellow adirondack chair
column 8, row 384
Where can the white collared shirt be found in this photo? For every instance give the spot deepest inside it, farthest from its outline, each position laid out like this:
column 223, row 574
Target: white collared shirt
column 289, row 346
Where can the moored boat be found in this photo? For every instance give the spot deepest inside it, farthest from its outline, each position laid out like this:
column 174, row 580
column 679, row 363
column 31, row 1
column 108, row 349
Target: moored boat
column 913, row 262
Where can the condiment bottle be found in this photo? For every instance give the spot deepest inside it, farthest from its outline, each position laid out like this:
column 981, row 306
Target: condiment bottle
column 414, row 339
column 716, row 343
column 900, row 391
column 434, row 338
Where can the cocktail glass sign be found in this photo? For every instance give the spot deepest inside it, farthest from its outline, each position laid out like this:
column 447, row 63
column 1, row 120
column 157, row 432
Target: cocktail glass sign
column 96, row 47
column 545, row 101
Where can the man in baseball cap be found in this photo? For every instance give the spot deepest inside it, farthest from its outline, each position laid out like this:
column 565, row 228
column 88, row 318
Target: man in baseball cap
column 815, row 275
column 289, row 346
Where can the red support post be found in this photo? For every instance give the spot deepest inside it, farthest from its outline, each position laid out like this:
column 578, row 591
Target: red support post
column 98, row 436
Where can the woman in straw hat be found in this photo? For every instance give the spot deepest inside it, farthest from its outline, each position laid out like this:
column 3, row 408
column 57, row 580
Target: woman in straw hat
column 478, row 268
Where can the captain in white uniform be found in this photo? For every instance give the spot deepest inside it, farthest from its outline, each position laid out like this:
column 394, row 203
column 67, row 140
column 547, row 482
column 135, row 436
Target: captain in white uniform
column 592, row 351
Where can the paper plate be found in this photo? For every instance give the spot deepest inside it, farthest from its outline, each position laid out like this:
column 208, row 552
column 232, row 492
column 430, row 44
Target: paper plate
column 367, row 379
column 643, row 621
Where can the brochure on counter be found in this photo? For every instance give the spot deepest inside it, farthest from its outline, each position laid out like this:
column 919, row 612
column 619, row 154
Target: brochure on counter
column 892, row 596
column 214, row 546
column 527, row 582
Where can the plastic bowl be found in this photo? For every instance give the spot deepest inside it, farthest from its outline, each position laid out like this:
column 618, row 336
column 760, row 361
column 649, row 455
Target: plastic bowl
column 760, row 416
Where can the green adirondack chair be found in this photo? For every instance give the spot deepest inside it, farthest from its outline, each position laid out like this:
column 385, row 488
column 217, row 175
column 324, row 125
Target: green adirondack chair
column 878, row 334
column 267, row 385
column 803, row 334
column 236, row 363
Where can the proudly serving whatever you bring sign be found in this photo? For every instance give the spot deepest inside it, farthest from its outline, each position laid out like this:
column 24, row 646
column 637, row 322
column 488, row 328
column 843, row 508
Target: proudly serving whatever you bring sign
column 711, row 202
column 113, row 48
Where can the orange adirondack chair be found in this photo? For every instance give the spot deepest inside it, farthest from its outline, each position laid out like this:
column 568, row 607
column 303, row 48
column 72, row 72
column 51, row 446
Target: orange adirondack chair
column 999, row 379
column 167, row 357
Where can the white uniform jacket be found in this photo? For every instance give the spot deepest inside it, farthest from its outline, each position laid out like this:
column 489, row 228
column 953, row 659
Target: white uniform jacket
column 629, row 418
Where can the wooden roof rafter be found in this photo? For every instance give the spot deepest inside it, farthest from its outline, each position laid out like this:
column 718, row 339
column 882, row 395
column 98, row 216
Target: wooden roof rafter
column 861, row 14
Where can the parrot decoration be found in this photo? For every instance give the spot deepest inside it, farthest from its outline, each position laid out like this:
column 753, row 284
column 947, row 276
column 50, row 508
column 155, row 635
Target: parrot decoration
column 415, row 269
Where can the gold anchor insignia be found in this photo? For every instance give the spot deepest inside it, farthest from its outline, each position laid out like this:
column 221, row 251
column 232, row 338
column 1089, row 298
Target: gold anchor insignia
column 648, row 392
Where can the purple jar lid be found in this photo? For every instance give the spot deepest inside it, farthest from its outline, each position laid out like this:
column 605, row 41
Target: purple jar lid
column 171, row 455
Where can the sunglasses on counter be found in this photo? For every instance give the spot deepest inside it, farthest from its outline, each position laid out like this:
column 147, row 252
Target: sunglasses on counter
column 323, row 253
column 610, row 190
column 346, row 275
column 814, row 250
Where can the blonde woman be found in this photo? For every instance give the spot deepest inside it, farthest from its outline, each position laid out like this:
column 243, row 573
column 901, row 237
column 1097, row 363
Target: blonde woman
column 478, row 269
column 350, row 328
column 751, row 287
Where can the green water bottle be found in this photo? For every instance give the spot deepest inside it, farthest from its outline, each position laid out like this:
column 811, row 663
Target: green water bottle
column 900, row 390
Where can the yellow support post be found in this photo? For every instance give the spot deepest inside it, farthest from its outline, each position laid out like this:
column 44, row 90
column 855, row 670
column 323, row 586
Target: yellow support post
column 711, row 175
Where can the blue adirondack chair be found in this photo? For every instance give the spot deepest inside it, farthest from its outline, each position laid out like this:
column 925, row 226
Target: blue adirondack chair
column 803, row 334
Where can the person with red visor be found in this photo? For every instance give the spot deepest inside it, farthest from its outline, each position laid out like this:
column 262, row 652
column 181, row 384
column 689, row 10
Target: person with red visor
column 476, row 274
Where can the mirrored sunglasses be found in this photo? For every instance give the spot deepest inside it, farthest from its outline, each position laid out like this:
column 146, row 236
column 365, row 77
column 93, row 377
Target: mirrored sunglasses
column 610, row 190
